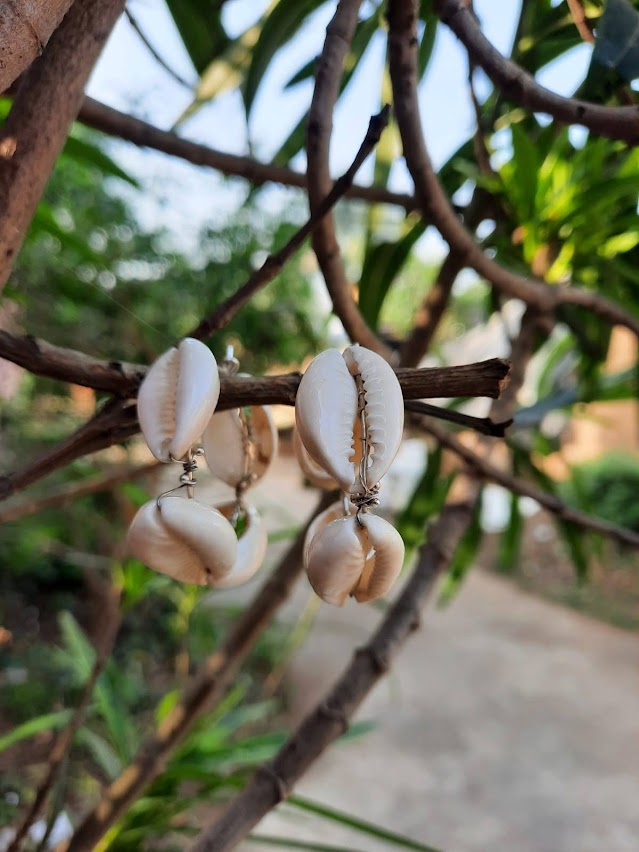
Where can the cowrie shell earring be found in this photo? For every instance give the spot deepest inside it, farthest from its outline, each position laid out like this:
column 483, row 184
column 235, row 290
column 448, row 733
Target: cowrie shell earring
column 181, row 537
column 350, row 415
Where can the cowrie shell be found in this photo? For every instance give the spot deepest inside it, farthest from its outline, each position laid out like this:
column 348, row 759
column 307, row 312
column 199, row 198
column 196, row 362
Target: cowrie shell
column 177, row 398
column 315, row 474
column 184, row 539
column 229, row 455
column 251, row 548
column 345, row 558
column 326, row 414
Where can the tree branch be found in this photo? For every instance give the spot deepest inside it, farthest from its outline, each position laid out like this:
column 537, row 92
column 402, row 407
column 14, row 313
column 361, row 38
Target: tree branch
column 117, row 420
column 25, row 28
column 482, row 467
column 436, row 208
column 75, row 491
column 274, row 262
column 107, row 120
column 205, row 688
column 339, row 36
column 620, row 123
column 46, row 103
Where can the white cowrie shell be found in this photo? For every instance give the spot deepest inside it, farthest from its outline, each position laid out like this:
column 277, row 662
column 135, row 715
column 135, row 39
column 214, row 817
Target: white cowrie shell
column 327, row 417
column 335, row 511
column 177, row 398
column 315, row 474
column 184, row 539
column 345, row 559
column 251, row 548
column 225, row 447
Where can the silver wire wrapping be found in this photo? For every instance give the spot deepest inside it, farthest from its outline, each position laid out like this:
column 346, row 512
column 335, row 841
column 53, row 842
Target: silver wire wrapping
column 368, row 498
column 187, row 480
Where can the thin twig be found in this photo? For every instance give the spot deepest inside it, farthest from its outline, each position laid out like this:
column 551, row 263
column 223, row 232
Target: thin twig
column 64, row 740
column 482, row 425
column 159, row 59
column 117, row 421
column 581, row 21
column 46, row 103
column 339, row 35
column 75, row 491
column 436, row 208
column 107, row 120
column 620, row 123
column 274, row 263
column 205, row 688
column 553, row 504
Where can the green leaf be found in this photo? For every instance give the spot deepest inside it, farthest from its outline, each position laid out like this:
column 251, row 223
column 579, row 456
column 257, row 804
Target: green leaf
column 425, row 501
column 287, row 843
column 382, row 264
column 46, row 722
column 80, row 651
column 617, row 42
column 510, row 540
column 575, row 539
column 92, row 154
column 429, row 35
column 101, row 751
column 619, row 244
column 279, row 27
column 526, row 163
column 360, row 825
column 201, row 30
column 463, row 558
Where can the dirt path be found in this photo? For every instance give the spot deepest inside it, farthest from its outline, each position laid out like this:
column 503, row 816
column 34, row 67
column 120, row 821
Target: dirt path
column 508, row 724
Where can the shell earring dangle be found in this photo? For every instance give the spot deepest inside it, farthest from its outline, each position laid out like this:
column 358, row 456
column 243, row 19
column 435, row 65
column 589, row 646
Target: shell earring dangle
column 350, row 415
column 181, row 537
column 239, row 446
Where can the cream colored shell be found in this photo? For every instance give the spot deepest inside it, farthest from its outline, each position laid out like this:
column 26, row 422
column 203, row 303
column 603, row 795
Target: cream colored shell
column 229, row 455
column 251, row 548
column 184, row 539
column 315, row 474
column 326, row 414
column 177, row 398
column 344, row 558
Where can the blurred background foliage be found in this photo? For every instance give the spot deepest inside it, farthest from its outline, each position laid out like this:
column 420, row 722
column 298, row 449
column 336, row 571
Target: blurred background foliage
column 538, row 196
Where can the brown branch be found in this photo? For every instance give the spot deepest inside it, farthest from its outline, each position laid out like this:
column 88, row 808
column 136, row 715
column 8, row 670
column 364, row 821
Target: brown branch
column 75, row 491
column 620, row 123
column 205, row 688
column 319, row 215
column 154, row 53
column 431, row 312
column 274, row 780
column 25, row 28
column 108, row 120
column 339, row 36
column 436, row 208
column 485, row 469
column 117, row 420
column 481, row 425
column 47, row 101
column 64, row 740
column 69, row 365
column 581, row 21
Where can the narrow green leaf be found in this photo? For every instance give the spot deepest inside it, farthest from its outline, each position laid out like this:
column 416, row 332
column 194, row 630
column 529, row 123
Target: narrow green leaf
column 201, row 30
column 360, row 825
column 84, row 151
column 101, row 751
column 280, row 26
column 382, row 264
column 425, row 501
column 46, row 722
column 429, row 35
column 287, row 843
column 463, row 558
column 510, row 540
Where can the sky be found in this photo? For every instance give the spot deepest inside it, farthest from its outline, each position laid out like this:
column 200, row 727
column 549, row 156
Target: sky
column 183, row 197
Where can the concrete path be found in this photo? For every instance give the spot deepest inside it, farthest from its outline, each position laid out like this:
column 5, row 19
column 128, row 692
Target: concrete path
column 508, row 725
